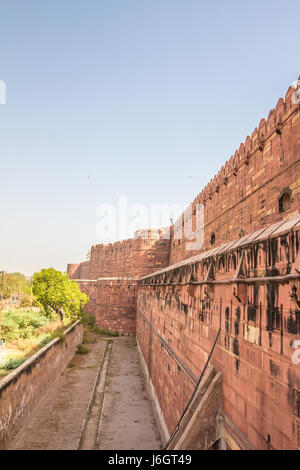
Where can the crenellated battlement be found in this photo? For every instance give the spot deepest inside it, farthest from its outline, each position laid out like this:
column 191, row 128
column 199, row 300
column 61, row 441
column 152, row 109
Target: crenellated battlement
column 133, row 257
column 245, row 194
column 273, row 125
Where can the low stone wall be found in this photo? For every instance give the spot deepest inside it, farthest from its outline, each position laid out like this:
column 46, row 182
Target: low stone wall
column 23, row 389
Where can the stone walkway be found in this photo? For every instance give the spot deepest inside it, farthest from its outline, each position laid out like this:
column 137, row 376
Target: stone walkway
column 126, row 417
column 127, row 421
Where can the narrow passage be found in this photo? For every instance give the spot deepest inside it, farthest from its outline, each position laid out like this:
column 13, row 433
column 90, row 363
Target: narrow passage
column 99, row 402
column 127, row 419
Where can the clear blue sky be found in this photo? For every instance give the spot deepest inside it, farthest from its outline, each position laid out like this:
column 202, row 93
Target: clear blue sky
column 126, row 97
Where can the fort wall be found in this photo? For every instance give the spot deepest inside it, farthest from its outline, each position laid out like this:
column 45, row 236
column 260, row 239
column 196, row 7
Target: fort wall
column 240, row 296
column 129, row 258
column 244, row 195
column 79, row 271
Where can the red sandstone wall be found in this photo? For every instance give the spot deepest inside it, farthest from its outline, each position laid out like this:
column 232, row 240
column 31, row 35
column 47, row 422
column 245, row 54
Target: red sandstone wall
column 129, row 258
column 73, row 271
column 179, row 312
column 113, row 303
column 85, row 270
column 243, row 196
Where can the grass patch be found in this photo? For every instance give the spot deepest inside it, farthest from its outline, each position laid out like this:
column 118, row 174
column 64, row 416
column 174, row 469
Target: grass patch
column 22, row 324
column 58, row 334
column 88, row 320
column 104, row 332
column 81, row 349
column 45, row 339
column 14, row 362
column 25, row 331
column 87, row 339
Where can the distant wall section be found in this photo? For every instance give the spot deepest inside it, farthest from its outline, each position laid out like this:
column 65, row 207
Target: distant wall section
column 79, row 271
column 112, row 303
column 129, row 258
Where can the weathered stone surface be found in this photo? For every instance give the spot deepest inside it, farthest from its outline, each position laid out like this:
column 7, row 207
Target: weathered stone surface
column 113, row 303
column 257, row 313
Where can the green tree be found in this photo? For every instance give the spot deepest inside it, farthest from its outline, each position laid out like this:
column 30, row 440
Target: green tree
column 57, row 293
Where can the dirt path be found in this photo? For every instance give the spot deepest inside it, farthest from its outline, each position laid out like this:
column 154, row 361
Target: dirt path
column 105, row 408
column 127, row 420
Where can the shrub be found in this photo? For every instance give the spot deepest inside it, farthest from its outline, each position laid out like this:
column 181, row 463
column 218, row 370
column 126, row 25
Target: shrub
column 14, row 362
column 88, row 320
column 45, row 339
column 104, row 332
column 59, row 334
column 81, row 349
column 21, row 324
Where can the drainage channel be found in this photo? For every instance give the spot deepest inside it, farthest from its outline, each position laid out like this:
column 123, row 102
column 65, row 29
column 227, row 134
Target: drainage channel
column 90, row 434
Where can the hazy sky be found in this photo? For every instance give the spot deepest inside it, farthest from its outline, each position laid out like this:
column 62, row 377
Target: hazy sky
column 145, row 99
